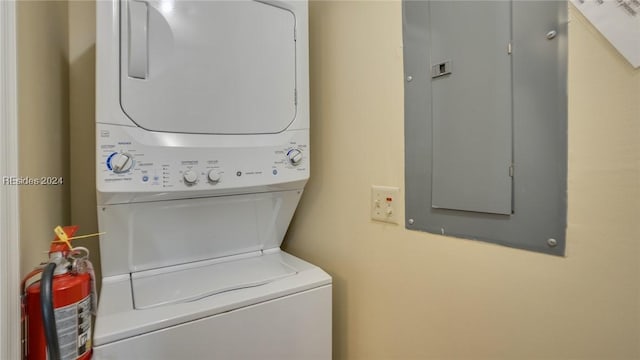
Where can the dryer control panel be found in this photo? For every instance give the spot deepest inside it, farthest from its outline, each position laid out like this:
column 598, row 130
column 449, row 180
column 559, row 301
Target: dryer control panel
column 135, row 160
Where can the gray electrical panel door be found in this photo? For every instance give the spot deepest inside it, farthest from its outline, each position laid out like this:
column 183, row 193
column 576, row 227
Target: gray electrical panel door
column 471, row 105
column 486, row 120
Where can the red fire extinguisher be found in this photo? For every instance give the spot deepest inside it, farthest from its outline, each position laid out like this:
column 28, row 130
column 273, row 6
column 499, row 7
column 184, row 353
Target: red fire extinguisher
column 57, row 309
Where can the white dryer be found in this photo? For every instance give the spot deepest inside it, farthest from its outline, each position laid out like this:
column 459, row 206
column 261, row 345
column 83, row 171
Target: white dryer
column 202, row 127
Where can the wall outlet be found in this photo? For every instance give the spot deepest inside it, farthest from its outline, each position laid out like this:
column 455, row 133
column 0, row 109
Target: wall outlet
column 384, row 203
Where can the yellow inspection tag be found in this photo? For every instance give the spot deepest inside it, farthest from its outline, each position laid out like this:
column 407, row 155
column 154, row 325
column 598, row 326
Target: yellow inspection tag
column 62, row 236
column 60, row 233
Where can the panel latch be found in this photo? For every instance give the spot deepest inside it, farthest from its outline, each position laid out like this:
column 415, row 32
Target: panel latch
column 441, row 69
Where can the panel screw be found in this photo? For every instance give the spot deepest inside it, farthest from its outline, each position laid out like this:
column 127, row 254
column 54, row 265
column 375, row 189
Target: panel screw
column 411, row 221
column 551, row 34
column 552, row 242
column 409, row 78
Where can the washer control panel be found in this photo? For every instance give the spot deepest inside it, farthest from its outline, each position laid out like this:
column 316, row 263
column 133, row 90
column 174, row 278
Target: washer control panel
column 127, row 165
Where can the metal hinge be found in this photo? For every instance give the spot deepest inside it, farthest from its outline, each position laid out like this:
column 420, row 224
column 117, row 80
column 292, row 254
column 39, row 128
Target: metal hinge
column 511, row 170
column 509, row 49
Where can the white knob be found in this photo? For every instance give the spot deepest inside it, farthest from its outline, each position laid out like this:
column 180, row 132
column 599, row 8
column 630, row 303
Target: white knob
column 121, row 163
column 294, row 156
column 213, row 176
column 190, row 177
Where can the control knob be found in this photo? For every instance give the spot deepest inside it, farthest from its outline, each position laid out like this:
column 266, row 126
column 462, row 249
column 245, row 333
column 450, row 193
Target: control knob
column 213, row 176
column 190, row 177
column 121, row 163
column 294, row 156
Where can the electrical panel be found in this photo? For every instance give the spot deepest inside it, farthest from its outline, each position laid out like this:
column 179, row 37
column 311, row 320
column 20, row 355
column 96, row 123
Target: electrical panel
column 486, row 120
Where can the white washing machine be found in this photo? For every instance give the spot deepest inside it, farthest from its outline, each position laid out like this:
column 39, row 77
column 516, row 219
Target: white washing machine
column 202, row 156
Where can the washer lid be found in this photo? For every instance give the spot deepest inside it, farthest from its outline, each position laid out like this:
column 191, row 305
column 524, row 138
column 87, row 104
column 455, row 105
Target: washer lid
column 212, row 67
column 196, row 281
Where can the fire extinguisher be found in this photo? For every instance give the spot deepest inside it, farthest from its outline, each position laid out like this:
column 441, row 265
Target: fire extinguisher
column 57, row 309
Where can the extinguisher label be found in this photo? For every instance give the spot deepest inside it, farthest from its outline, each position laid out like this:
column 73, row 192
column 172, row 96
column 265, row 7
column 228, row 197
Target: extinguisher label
column 73, row 323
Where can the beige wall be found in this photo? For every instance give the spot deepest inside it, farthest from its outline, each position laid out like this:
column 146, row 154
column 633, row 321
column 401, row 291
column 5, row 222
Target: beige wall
column 43, row 123
column 82, row 58
column 402, row 294
column 56, row 80
column 398, row 294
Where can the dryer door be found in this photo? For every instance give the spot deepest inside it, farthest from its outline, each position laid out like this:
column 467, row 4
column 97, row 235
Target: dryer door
column 211, row 67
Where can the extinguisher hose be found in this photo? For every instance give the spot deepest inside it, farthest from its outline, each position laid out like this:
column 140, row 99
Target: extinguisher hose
column 48, row 316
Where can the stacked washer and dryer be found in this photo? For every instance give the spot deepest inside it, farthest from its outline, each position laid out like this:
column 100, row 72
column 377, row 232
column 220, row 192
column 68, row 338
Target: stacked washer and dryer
column 202, row 126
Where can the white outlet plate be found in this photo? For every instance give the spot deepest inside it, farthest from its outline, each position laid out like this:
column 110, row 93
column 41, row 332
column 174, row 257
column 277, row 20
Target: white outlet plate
column 385, row 201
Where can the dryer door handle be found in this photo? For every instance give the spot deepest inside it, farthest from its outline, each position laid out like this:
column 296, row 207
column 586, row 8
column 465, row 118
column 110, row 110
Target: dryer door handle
column 138, row 44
